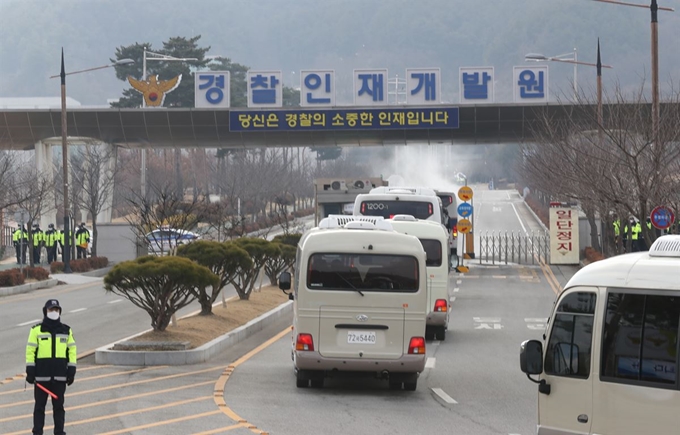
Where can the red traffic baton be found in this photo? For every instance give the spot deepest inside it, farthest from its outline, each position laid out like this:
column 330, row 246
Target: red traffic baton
column 54, row 396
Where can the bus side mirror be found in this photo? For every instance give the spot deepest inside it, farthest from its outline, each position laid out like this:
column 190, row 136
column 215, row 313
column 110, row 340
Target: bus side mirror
column 531, row 357
column 284, row 281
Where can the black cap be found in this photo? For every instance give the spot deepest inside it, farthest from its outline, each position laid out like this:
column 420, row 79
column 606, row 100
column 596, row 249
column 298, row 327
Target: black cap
column 50, row 226
column 52, row 303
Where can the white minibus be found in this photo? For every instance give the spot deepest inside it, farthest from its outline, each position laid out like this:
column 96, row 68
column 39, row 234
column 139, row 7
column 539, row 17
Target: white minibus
column 450, row 202
column 435, row 241
column 420, row 203
column 360, row 302
column 608, row 363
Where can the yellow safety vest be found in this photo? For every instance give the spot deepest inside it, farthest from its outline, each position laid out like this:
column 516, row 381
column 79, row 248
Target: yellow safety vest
column 51, row 352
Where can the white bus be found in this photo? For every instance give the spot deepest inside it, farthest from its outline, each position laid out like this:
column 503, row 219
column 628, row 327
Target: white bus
column 421, row 203
column 360, row 293
column 435, row 241
column 608, row 362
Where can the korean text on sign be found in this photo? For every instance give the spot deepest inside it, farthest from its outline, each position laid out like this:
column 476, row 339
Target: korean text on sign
column 476, row 84
column 264, row 89
column 530, row 84
column 211, row 89
column 365, row 119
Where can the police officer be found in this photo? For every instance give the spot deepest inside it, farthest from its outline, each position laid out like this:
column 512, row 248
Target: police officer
column 38, row 236
column 50, row 362
column 62, row 235
column 82, row 240
column 52, row 238
column 20, row 241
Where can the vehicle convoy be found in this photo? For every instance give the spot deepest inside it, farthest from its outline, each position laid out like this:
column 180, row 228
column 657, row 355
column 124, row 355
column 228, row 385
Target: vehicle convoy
column 610, row 361
column 360, row 302
column 435, row 242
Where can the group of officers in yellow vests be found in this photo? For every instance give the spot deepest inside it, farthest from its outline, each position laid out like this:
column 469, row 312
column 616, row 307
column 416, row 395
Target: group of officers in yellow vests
column 635, row 231
column 51, row 239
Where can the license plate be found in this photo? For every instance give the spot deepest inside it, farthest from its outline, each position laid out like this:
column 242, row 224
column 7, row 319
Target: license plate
column 361, row 337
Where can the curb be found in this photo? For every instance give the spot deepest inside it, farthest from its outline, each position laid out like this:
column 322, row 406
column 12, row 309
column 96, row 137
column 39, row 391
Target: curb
column 97, row 273
column 25, row 288
column 535, row 216
column 105, row 355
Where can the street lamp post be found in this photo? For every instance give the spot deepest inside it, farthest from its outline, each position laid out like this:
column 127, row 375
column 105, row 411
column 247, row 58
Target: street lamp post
column 66, row 253
column 559, row 58
column 147, row 56
column 539, row 57
column 654, row 8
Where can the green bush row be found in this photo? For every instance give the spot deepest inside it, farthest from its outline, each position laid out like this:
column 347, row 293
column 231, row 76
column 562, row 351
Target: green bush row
column 14, row 277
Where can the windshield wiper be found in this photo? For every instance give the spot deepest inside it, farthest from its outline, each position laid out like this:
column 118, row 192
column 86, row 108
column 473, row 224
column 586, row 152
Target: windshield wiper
column 349, row 283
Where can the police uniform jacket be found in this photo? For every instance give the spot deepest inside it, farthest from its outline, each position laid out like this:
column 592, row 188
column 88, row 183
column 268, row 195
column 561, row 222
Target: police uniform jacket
column 51, row 351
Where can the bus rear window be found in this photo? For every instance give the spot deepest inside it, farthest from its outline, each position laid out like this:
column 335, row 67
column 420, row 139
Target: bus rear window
column 433, row 249
column 389, row 209
column 363, row 272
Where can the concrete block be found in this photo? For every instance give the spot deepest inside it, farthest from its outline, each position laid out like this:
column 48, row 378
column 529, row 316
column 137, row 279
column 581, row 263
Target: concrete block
column 171, row 358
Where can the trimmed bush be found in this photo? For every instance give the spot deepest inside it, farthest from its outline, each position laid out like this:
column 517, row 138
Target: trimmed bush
column 592, row 255
column 57, row 267
column 37, row 273
column 11, row 278
column 98, row 262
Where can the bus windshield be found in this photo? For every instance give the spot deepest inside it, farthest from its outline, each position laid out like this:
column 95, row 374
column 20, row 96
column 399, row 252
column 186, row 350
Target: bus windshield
column 363, row 272
column 388, row 209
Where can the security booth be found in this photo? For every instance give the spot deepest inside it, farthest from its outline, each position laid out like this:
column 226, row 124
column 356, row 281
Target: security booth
column 337, row 195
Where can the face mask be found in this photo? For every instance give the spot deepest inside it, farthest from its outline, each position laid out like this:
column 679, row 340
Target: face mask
column 54, row 315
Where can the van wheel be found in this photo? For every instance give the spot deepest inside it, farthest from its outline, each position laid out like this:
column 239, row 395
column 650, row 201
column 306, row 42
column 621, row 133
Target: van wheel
column 411, row 386
column 302, row 383
column 317, row 383
column 441, row 333
column 429, row 333
column 395, row 385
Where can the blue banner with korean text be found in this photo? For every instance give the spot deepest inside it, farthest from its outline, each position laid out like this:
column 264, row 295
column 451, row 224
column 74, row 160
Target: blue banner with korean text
column 343, row 119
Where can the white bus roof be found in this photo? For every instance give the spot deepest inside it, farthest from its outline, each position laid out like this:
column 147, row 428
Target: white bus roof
column 344, row 240
column 657, row 269
column 399, row 189
column 407, row 224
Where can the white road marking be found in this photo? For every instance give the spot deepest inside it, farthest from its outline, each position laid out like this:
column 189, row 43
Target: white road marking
column 459, row 281
column 536, row 319
column 29, row 322
column 452, row 299
column 507, row 193
column 488, row 326
column 115, row 301
column 430, row 363
column 445, row 397
column 78, row 310
column 487, row 319
column 518, row 218
column 496, row 209
column 456, row 290
column 435, row 343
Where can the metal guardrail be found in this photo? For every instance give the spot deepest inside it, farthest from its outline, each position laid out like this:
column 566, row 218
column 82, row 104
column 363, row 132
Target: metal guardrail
column 510, row 247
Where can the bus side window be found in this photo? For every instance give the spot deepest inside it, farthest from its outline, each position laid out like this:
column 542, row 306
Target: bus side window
column 640, row 339
column 569, row 350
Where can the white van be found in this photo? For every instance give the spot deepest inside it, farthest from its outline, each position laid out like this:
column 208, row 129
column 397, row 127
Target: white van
column 422, row 205
column 611, row 348
column 360, row 293
column 435, row 241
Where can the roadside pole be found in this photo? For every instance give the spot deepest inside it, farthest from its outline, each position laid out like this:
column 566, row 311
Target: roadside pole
column 465, row 210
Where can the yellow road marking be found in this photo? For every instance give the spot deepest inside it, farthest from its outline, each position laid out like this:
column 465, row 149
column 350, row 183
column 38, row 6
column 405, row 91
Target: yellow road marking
column 161, row 423
column 40, row 295
column 550, row 277
column 108, row 375
column 123, row 414
column 119, row 399
column 222, row 381
column 222, row 429
column 127, row 384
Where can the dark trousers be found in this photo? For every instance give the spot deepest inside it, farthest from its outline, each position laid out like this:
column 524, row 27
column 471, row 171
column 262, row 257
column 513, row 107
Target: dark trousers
column 36, row 254
column 58, row 388
column 82, row 252
column 52, row 253
column 21, row 259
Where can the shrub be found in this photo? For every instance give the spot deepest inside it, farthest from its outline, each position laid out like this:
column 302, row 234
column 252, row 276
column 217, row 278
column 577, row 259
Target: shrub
column 80, row 265
column 37, row 273
column 11, row 278
column 98, row 262
column 592, row 255
column 57, row 267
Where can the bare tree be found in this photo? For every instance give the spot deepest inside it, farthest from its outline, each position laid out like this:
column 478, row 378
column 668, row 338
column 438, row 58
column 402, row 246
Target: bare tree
column 94, row 173
column 32, row 193
column 613, row 166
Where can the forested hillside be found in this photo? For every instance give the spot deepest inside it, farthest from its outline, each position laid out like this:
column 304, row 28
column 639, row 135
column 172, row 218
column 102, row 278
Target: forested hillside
column 340, row 34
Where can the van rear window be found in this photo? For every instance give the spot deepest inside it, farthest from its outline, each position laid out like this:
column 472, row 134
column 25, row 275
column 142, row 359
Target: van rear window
column 389, row 209
column 433, row 249
column 363, row 272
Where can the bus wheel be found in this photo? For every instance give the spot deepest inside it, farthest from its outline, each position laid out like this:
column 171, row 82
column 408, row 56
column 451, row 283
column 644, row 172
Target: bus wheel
column 317, row 383
column 302, row 383
column 441, row 333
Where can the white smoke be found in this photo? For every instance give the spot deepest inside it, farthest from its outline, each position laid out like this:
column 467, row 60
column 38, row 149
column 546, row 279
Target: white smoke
column 434, row 166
